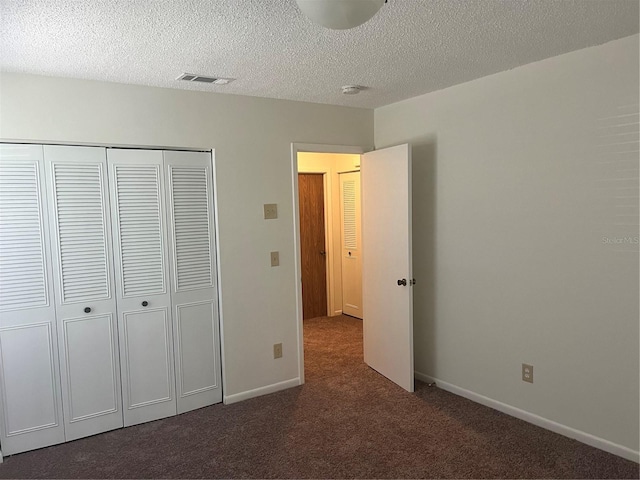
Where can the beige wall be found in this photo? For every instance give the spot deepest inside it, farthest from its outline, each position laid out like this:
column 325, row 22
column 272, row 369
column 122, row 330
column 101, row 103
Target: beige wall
column 333, row 164
column 252, row 139
column 519, row 181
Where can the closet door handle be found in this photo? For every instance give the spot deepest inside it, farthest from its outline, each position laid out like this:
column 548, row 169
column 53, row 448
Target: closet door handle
column 87, row 309
column 145, row 303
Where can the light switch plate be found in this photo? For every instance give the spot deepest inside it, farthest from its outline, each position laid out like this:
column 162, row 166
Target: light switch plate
column 270, row 211
column 275, row 259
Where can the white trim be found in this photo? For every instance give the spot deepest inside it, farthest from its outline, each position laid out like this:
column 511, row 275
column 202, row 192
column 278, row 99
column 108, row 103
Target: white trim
column 325, row 148
column 258, row 392
column 1, row 456
column 105, row 145
column 424, row 378
column 218, row 283
column 295, row 148
column 537, row 420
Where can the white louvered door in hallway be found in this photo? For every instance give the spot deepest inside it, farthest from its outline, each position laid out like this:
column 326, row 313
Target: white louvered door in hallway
column 144, row 303
column 30, row 399
column 193, row 279
column 85, row 297
column 351, row 244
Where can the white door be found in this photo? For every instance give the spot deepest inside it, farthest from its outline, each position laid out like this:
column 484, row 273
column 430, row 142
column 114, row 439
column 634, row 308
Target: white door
column 85, row 297
column 30, row 400
column 351, row 247
column 193, row 279
column 387, row 263
column 136, row 181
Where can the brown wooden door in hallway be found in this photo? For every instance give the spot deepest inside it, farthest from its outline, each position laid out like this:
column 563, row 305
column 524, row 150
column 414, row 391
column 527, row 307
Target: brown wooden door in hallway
column 312, row 245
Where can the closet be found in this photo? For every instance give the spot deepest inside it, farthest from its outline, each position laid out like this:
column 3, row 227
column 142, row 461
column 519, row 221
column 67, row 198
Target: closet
column 108, row 313
column 351, row 243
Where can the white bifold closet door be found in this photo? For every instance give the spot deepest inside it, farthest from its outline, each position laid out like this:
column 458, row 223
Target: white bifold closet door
column 193, row 279
column 85, row 298
column 108, row 305
column 144, row 303
column 30, row 398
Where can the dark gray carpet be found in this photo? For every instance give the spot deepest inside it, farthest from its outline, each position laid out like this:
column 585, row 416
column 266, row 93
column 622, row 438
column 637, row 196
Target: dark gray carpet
column 346, row 422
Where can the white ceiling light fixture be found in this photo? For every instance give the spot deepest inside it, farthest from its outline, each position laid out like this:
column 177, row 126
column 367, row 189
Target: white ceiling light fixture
column 340, row 14
column 351, row 89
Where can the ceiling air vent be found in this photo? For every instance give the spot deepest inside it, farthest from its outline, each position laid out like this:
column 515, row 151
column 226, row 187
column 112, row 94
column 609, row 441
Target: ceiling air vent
column 190, row 77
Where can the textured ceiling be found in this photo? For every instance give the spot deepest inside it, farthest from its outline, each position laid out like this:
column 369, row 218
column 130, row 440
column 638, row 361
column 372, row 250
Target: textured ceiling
column 409, row 48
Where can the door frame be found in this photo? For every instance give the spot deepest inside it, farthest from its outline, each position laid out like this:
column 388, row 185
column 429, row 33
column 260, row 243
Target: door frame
column 311, row 148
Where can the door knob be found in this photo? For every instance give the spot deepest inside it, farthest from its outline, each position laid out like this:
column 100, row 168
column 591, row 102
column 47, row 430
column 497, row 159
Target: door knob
column 402, row 283
column 323, row 252
column 145, row 303
column 87, row 309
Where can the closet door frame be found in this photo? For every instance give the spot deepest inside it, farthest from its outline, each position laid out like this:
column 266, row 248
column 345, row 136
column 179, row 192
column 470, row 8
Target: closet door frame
column 52, row 277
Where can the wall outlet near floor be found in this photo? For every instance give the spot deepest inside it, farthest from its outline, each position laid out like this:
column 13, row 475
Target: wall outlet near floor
column 270, row 211
column 275, row 259
column 527, row 373
column 277, row 350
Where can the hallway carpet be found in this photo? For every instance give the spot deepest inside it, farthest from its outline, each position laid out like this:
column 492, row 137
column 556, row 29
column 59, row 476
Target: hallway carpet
column 347, row 421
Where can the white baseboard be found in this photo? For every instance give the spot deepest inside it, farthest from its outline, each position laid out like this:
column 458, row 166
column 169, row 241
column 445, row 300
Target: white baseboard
column 257, row 392
column 423, row 377
column 537, row 420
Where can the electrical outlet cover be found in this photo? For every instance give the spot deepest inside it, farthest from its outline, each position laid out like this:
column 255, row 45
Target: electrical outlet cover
column 270, row 211
column 277, row 350
column 527, row 373
column 275, row 259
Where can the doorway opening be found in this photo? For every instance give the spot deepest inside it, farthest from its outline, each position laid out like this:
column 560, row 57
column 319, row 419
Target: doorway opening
column 384, row 296
column 330, row 259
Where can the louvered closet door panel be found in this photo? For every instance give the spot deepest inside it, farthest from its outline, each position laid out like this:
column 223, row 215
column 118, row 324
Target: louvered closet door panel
column 23, row 274
column 193, row 279
column 136, row 180
column 85, row 298
column 351, row 244
column 30, row 398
